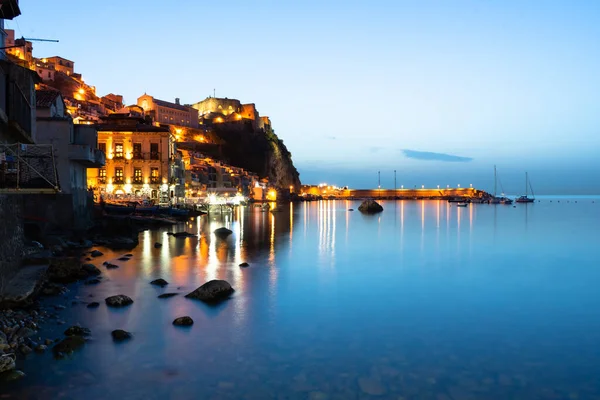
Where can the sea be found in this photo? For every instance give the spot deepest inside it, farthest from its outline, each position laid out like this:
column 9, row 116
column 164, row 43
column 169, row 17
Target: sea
column 425, row 300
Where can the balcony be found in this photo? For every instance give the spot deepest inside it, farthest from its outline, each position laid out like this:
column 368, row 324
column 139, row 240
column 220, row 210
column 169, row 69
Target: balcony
column 16, row 86
column 138, row 180
column 118, row 180
column 86, row 155
column 102, row 180
column 155, row 179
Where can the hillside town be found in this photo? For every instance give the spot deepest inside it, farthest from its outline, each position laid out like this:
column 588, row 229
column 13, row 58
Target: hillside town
column 70, row 147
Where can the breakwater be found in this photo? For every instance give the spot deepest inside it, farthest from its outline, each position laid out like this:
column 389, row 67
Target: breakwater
column 403, row 194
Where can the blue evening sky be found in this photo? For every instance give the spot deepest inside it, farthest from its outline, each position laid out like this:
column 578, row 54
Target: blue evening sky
column 438, row 90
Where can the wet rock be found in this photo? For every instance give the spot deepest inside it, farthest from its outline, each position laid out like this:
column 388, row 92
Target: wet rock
column 93, row 304
column 122, row 243
column 68, row 345
column 59, row 307
column 167, row 295
column 119, row 300
column 12, row 375
column 223, row 232
column 65, row 270
column 111, row 266
column 183, row 321
column 120, row 335
column 351, row 209
column 157, row 245
column 170, row 233
column 128, row 255
column 371, row 386
column 212, row 291
column 244, row 265
column 3, row 339
column 25, row 332
column 94, row 281
column 48, row 342
column 96, row 253
column 90, row 269
column 123, row 258
column 77, row 330
column 370, row 206
column 52, row 289
column 159, row 282
column 25, row 349
column 40, row 348
column 183, row 235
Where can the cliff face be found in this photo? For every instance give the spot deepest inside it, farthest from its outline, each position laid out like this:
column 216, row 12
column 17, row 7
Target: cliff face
column 261, row 152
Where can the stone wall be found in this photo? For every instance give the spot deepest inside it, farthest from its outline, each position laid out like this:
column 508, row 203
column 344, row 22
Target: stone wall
column 11, row 235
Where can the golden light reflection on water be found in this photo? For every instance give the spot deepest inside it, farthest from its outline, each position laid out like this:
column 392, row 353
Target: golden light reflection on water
column 327, row 231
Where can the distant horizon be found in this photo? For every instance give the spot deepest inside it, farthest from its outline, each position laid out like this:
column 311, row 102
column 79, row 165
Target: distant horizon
column 440, row 90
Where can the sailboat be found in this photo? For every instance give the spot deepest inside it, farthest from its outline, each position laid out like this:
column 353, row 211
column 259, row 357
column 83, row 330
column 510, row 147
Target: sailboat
column 502, row 199
column 525, row 198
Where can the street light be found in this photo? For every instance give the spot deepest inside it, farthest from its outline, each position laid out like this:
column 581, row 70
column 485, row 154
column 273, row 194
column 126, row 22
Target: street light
column 459, row 185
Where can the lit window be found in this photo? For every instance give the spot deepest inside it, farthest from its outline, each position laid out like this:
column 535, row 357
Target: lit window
column 119, row 150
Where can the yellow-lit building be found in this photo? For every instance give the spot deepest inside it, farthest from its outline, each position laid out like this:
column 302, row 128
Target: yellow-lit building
column 168, row 113
column 61, row 64
column 140, row 161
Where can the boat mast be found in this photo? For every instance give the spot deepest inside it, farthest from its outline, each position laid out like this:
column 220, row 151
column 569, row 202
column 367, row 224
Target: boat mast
column 495, row 181
column 525, row 183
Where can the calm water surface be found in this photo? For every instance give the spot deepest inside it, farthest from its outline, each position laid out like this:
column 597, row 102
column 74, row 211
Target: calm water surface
column 423, row 301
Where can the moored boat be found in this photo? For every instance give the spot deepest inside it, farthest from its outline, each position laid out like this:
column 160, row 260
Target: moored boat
column 525, row 198
column 461, row 204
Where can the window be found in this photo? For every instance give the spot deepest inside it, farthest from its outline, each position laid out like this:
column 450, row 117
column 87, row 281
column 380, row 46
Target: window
column 118, row 175
column 101, row 175
column 154, row 177
column 137, row 175
column 137, row 151
column 118, row 150
column 102, row 147
column 154, row 155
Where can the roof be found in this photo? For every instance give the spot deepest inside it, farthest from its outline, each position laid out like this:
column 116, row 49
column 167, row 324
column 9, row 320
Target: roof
column 130, row 128
column 45, row 98
column 168, row 104
column 9, row 9
column 62, row 58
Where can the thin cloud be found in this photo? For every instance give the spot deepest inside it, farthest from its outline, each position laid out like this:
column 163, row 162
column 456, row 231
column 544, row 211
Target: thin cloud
column 431, row 156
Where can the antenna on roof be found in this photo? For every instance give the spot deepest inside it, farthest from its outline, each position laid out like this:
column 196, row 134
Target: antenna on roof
column 40, row 40
column 214, row 93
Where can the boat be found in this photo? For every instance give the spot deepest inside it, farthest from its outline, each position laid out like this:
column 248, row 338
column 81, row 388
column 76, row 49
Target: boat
column 116, row 208
column 499, row 199
column 461, row 204
column 525, row 198
column 175, row 212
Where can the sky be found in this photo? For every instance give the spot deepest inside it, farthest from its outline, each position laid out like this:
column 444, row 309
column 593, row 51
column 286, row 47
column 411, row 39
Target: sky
column 438, row 90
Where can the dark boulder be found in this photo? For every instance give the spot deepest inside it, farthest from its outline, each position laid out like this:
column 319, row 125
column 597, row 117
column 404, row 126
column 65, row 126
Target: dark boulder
column 157, row 245
column 123, row 258
column 212, row 291
column 118, row 301
column 90, row 269
column 159, row 282
column 120, row 335
column 370, row 206
column 167, row 295
column 68, row 345
column 183, row 321
column 244, row 265
column 7, row 362
column 52, row 289
column 111, row 266
column 94, row 281
column 128, row 255
column 77, row 330
column 223, row 232
column 65, row 270
column 96, row 253
column 183, row 235
column 93, row 304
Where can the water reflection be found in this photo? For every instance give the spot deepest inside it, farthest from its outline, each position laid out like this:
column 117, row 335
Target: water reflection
column 494, row 318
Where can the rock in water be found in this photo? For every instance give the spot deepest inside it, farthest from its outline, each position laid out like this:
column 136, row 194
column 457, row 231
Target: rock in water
column 212, row 291
column 183, row 321
column 244, row 265
column 77, row 330
column 370, row 206
column 119, row 300
column 96, row 253
column 371, row 386
column 119, row 335
column 167, row 295
column 111, row 266
column 68, row 345
column 157, row 245
column 7, row 362
column 93, row 304
column 13, row 375
column 123, row 258
column 159, row 282
column 94, row 281
column 223, row 232
column 90, row 269
column 183, row 235
column 65, row 270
